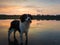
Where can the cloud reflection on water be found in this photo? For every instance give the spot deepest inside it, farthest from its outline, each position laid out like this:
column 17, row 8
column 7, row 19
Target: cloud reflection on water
column 40, row 32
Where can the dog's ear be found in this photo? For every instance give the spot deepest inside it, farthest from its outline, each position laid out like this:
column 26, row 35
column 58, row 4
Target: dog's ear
column 30, row 16
column 22, row 17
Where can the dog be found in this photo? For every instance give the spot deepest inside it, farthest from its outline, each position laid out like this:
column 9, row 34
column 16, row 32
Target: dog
column 22, row 26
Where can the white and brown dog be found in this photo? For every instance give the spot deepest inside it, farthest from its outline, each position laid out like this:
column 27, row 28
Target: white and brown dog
column 21, row 25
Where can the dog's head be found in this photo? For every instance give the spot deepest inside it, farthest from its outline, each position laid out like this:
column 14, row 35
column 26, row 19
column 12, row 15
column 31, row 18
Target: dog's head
column 26, row 17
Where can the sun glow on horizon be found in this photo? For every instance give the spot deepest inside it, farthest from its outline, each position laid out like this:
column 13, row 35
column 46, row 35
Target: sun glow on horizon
column 18, row 10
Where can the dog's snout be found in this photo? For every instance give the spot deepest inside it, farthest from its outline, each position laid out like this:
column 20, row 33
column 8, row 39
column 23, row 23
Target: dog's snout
column 29, row 19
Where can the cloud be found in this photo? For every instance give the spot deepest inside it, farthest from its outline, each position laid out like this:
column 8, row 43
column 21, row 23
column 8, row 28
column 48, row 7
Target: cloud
column 30, row 2
column 37, row 5
column 11, row 2
column 31, row 6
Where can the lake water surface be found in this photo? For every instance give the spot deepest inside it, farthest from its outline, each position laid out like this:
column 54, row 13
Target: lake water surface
column 40, row 32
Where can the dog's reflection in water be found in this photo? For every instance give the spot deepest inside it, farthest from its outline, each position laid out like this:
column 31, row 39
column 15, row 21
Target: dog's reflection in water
column 15, row 42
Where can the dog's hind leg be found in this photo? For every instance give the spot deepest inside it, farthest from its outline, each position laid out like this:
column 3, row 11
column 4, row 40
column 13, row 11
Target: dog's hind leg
column 9, row 32
column 14, row 33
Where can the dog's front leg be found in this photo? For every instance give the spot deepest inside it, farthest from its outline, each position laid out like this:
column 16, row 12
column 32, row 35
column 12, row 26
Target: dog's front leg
column 9, row 33
column 21, row 38
column 26, row 41
column 26, row 34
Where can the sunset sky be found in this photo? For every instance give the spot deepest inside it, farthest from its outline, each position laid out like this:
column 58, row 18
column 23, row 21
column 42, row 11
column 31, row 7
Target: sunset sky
column 30, row 6
column 40, row 31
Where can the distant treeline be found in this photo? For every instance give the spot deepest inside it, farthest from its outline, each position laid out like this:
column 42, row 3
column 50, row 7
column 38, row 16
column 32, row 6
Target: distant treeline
column 35, row 17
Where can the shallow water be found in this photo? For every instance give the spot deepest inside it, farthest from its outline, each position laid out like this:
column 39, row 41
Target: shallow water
column 40, row 33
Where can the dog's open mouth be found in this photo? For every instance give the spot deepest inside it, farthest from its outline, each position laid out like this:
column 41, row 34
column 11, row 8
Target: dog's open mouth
column 29, row 21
